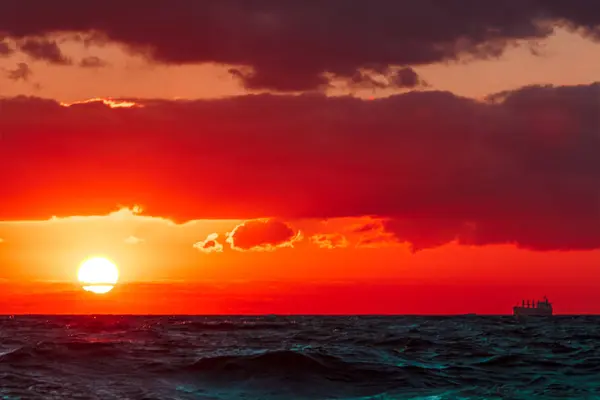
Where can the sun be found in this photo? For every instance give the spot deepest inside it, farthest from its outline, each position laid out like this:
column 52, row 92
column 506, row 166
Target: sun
column 98, row 275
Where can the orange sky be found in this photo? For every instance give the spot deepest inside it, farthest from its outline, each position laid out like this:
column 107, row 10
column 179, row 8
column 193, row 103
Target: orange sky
column 185, row 279
column 299, row 207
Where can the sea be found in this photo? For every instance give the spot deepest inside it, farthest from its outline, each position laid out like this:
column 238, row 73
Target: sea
column 299, row 357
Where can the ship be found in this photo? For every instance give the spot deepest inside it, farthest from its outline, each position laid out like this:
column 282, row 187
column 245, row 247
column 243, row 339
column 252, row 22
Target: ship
column 538, row 308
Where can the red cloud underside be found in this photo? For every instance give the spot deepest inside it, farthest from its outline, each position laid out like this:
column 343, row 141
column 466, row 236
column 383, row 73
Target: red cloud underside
column 435, row 167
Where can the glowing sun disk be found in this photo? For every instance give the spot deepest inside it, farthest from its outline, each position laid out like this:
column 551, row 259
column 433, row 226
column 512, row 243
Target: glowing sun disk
column 98, row 275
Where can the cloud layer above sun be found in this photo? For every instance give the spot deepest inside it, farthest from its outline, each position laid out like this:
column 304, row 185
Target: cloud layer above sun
column 519, row 168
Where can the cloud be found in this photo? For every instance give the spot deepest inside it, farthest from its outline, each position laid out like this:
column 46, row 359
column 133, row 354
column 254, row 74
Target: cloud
column 427, row 232
column 262, row 235
column 279, row 79
column 369, row 227
column 419, row 233
column 5, row 49
column 92, row 62
column 22, row 72
column 292, row 46
column 518, row 168
column 374, row 235
column 210, row 244
column 407, row 78
column 44, row 50
column 133, row 240
column 403, row 78
column 329, row 240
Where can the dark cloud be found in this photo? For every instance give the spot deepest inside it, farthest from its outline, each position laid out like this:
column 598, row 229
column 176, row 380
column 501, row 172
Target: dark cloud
column 423, row 232
column 403, row 78
column 407, row 78
column 210, row 244
column 5, row 49
column 329, row 240
column 92, row 62
column 21, row 72
column 289, row 45
column 418, row 232
column 280, row 79
column 262, row 235
column 377, row 240
column 374, row 234
column 367, row 228
column 44, row 50
column 520, row 168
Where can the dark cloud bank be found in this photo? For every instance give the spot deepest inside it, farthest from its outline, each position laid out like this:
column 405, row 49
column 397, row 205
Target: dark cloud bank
column 288, row 45
column 521, row 168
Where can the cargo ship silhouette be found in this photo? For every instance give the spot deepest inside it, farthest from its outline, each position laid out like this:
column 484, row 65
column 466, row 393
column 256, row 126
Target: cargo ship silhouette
column 540, row 308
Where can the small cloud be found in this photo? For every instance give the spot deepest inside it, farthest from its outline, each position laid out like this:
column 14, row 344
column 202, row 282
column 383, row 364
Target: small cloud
column 366, row 228
column 44, row 50
column 329, row 240
column 403, row 78
column 376, row 240
column 288, row 81
column 374, row 235
column 22, row 72
column 366, row 79
column 92, row 62
column 134, row 240
column 210, row 244
column 262, row 235
column 126, row 212
column 407, row 78
column 5, row 49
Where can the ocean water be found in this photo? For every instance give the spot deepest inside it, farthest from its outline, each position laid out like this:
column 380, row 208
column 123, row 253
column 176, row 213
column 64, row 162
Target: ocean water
column 435, row 358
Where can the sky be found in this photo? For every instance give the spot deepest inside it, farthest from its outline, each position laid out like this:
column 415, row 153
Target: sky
column 310, row 157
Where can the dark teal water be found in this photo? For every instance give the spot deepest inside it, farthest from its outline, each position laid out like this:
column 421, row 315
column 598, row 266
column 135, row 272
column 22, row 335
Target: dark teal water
column 112, row 357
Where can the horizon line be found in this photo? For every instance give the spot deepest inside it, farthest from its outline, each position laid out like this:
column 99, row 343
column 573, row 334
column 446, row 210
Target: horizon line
column 289, row 315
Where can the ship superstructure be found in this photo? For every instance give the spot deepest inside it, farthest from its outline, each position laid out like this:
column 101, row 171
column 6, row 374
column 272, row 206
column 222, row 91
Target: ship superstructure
column 533, row 308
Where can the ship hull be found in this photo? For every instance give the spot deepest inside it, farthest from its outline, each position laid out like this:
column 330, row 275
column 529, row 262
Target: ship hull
column 532, row 312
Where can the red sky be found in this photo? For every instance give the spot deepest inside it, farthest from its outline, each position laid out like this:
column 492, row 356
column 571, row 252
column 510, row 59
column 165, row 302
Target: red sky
column 294, row 158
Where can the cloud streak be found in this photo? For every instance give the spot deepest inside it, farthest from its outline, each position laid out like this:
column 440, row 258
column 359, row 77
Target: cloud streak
column 21, row 72
column 44, row 50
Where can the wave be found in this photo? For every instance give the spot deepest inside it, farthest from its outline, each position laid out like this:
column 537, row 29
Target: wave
column 232, row 326
column 288, row 363
column 47, row 351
